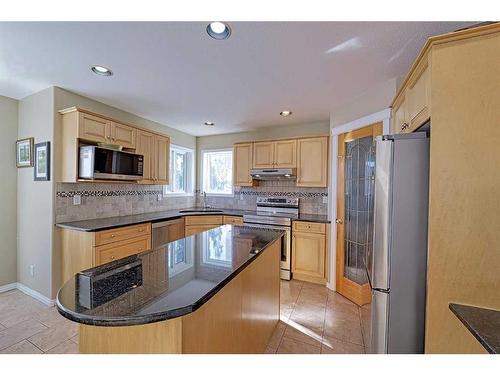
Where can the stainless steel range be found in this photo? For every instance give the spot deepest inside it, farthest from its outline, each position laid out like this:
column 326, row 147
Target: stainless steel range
column 277, row 213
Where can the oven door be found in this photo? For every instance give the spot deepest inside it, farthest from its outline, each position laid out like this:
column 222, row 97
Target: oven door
column 286, row 245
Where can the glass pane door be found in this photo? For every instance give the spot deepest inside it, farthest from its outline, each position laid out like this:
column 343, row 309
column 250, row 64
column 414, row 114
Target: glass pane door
column 358, row 216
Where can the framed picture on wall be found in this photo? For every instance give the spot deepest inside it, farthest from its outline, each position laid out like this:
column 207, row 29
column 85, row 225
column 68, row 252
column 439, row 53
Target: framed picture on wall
column 42, row 161
column 24, row 152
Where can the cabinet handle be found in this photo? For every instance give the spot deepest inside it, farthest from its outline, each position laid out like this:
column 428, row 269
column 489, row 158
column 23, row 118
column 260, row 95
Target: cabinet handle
column 113, row 236
column 112, row 257
column 404, row 126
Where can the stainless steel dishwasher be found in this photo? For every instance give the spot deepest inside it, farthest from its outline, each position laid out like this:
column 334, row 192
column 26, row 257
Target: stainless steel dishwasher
column 167, row 231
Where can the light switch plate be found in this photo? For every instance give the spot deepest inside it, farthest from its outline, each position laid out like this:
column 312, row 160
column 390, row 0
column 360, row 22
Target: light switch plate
column 159, row 197
column 77, row 200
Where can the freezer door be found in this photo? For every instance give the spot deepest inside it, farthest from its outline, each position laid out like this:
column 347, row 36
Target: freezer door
column 379, row 269
column 379, row 323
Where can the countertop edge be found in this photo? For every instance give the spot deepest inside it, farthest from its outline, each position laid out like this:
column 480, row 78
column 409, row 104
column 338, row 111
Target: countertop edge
column 158, row 317
column 454, row 307
column 68, row 225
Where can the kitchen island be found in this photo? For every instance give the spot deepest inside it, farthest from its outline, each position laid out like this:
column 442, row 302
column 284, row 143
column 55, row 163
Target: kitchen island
column 214, row 292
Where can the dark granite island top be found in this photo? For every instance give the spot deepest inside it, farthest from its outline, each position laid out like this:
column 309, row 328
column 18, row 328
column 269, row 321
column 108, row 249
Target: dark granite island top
column 164, row 283
column 484, row 324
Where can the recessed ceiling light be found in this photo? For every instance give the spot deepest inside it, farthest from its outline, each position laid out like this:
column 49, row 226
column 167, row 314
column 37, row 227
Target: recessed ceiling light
column 218, row 30
column 285, row 113
column 209, row 123
column 101, row 70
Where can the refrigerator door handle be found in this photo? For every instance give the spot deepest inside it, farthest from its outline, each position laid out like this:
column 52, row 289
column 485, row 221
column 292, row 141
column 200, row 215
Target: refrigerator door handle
column 383, row 201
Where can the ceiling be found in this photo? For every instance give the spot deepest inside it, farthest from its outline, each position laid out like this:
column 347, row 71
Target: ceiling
column 175, row 74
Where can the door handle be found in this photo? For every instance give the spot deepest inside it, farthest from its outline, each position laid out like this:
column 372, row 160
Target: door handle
column 339, row 221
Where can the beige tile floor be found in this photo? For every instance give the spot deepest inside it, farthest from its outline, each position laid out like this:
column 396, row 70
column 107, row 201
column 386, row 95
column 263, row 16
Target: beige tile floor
column 313, row 320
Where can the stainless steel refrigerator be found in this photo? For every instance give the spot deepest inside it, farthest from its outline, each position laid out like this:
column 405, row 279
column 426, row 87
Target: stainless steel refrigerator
column 397, row 264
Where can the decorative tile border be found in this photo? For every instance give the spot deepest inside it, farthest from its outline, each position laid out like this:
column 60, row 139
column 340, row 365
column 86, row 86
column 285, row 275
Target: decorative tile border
column 294, row 194
column 106, row 193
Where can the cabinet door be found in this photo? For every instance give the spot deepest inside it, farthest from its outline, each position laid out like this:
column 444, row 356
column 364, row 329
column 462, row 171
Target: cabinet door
column 145, row 147
column 312, row 162
column 308, row 254
column 93, row 128
column 242, row 163
column 162, row 159
column 418, row 98
column 123, row 135
column 237, row 220
column 285, row 154
column 263, row 155
column 399, row 117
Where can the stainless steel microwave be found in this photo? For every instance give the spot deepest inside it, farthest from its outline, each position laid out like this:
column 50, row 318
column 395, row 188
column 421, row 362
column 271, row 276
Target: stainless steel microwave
column 99, row 163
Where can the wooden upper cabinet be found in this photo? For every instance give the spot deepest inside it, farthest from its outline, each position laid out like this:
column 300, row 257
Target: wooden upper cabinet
column 161, row 160
column 285, row 153
column 242, row 163
column 123, row 135
column 263, row 155
column 418, row 97
column 312, row 162
column 93, row 128
column 412, row 106
column 145, row 147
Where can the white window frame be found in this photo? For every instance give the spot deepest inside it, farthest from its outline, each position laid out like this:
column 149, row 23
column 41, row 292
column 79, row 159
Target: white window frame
column 190, row 172
column 203, row 172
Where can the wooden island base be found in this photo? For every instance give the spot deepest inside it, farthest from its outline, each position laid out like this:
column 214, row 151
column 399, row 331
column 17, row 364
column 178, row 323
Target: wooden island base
column 240, row 318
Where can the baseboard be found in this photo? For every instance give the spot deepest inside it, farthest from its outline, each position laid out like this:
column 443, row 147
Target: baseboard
column 36, row 295
column 7, row 287
column 331, row 286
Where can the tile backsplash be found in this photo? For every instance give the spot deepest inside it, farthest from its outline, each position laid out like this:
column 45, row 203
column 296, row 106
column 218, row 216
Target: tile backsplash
column 107, row 200
column 245, row 198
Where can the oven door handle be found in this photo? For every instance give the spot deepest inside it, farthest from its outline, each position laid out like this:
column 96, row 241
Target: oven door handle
column 253, row 225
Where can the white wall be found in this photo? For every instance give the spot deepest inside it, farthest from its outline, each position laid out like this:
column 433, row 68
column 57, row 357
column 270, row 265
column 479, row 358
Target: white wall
column 8, row 195
column 371, row 101
column 35, row 198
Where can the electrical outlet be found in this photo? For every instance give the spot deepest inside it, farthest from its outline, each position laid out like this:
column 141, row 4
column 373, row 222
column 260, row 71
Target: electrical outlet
column 158, row 197
column 32, row 270
column 241, row 197
column 325, row 199
column 77, row 200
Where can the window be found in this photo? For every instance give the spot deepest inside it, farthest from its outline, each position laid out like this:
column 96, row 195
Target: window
column 218, row 172
column 181, row 171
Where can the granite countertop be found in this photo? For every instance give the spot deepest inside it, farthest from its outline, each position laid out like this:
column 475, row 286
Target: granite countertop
column 164, row 283
column 483, row 323
column 120, row 221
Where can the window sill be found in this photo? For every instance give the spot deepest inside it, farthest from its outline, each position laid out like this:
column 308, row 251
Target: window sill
column 173, row 195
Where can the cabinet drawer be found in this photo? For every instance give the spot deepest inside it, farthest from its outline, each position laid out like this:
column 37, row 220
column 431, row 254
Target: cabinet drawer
column 194, row 229
column 117, row 250
column 203, row 220
column 120, row 234
column 232, row 220
column 306, row 226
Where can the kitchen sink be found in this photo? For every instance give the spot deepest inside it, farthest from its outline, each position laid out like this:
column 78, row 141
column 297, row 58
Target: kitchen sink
column 200, row 210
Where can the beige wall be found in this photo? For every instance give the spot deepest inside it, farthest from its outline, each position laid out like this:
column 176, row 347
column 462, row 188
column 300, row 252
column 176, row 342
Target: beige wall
column 35, row 199
column 276, row 132
column 372, row 100
column 8, row 196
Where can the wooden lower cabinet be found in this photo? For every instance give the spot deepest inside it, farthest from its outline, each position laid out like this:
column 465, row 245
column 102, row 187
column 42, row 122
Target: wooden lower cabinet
column 238, row 220
column 191, row 230
column 83, row 250
column 201, row 223
column 240, row 318
column 309, row 252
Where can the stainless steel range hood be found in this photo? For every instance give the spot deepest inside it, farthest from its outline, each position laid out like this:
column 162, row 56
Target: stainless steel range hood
column 273, row 174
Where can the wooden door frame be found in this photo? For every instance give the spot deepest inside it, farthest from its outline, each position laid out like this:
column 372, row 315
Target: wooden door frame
column 359, row 295
column 383, row 116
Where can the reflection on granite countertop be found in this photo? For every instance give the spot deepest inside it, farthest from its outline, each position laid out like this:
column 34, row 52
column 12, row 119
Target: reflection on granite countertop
column 165, row 283
column 484, row 324
column 120, row 221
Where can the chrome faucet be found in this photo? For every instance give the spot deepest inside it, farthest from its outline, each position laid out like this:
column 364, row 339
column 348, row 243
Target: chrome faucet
column 205, row 205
